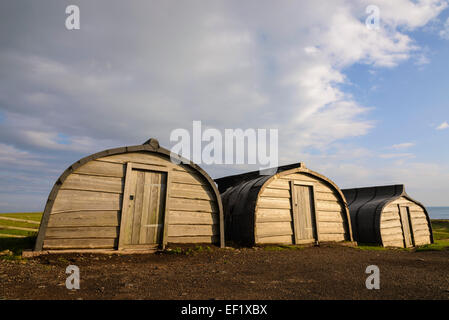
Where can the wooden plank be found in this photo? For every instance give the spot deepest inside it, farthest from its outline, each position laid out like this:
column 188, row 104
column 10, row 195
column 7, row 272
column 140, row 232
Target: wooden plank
column 85, row 218
column 418, row 215
column 420, row 221
column 273, row 215
column 276, row 240
column 197, row 239
column 191, row 217
column 147, row 202
column 419, row 227
column 329, row 206
column 333, row 237
column 192, row 230
column 392, row 237
column 93, row 183
column 176, row 204
column 422, row 241
column 406, row 227
column 391, row 231
column 187, row 178
column 128, row 207
column 275, row 193
column 327, row 196
column 273, row 203
column 402, row 201
column 279, row 184
column 138, row 206
column 330, row 227
column 86, row 200
column 391, row 224
column 388, row 216
column 295, row 212
column 329, row 216
column 79, row 244
column 306, row 227
column 393, row 244
column 101, row 168
column 274, row 228
column 20, row 220
column 157, row 207
column 189, row 191
column 300, row 177
column 141, row 157
column 81, row 232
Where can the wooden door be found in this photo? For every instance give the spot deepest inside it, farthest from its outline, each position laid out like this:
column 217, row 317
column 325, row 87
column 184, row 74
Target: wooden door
column 407, row 230
column 143, row 209
column 304, row 214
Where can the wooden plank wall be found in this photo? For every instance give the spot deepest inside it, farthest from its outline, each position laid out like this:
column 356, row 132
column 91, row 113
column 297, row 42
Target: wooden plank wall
column 274, row 213
column 391, row 231
column 86, row 212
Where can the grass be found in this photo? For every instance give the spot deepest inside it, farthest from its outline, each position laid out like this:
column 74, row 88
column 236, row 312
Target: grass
column 31, row 216
column 439, row 245
column 370, row 247
column 16, row 246
column 440, row 229
column 35, row 216
column 13, row 244
column 440, row 236
column 188, row 251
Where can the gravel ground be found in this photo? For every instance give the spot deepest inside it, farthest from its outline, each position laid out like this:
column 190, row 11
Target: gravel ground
column 325, row 272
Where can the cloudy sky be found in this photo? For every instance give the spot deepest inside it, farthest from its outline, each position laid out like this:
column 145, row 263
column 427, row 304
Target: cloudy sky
column 360, row 105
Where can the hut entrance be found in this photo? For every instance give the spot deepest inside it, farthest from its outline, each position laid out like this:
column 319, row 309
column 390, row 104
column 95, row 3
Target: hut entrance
column 304, row 213
column 143, row 211
column 404, row 213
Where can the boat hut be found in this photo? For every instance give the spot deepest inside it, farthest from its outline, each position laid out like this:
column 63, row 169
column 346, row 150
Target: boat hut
column 131, row 198
column 388, row 216
column 294, row 205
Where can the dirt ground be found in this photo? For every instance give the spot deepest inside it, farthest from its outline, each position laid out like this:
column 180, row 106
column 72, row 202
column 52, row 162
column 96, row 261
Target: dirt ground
column 325, row 272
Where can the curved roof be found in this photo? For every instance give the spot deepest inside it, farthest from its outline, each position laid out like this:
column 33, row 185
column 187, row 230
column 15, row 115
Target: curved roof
column 151, row 145
column 240, row 192
column 366, row 206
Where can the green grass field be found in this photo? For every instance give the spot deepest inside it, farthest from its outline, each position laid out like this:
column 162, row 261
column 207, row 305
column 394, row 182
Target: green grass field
column 16, row 228
column 15, row 236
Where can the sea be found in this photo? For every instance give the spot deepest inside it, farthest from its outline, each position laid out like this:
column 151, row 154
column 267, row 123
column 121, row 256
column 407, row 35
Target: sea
column 438, row 212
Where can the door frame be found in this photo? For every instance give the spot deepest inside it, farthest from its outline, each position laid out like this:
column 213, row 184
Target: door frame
column 410, row 226
column 295, row 213
column 126, row 193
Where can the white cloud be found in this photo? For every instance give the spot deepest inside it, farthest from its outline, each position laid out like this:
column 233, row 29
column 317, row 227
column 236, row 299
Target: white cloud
column 396, row 155
column 404, row 145
column 444, row 33
column 443, row 126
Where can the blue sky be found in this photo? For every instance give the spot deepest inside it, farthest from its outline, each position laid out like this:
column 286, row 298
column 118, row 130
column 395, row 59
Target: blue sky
column 360, row 106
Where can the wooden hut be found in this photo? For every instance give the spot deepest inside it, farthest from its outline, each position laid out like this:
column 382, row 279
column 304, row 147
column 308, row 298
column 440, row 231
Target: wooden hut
column 131, row 198
column 387, row 216
column 293, row 206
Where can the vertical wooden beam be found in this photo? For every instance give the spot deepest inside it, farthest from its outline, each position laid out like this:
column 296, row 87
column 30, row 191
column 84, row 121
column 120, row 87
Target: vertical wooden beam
column 166, row 209
column 317, row 227
column 294, row 211
column 125, row 204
